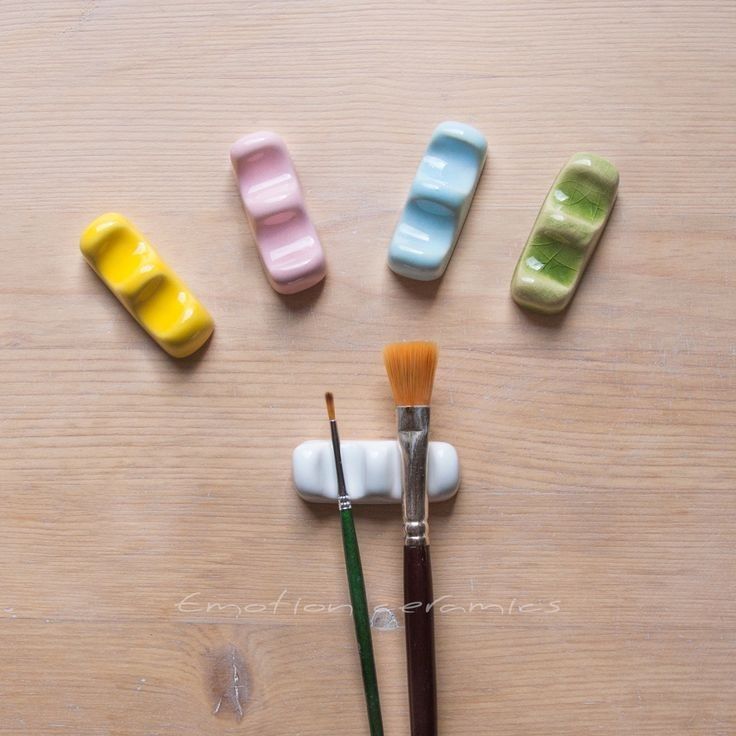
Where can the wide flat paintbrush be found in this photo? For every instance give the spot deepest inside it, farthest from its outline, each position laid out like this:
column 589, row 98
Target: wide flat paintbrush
column 356, row 584
column 410, row 367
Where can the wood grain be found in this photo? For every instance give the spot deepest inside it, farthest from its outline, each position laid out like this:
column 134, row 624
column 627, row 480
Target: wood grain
column 149, row 523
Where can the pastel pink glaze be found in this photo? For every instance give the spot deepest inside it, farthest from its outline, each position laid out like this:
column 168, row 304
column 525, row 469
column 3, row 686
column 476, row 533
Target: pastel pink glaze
column 274, row 202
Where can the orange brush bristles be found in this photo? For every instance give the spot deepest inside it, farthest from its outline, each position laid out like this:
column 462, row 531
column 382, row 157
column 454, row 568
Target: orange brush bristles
column 410, row 367
column 330, row 401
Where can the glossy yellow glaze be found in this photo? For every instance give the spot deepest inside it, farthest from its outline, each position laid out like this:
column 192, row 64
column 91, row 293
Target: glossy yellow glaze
column 157, row 298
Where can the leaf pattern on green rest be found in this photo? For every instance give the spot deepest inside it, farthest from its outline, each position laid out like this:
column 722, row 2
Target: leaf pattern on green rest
column 583, row 199
column 560, row 261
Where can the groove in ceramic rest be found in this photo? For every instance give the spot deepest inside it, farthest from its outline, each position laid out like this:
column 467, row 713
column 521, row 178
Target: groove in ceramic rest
column 372, row 471
column 273, row 199
column 565, row 234
column 438, row 202
column 153, row 294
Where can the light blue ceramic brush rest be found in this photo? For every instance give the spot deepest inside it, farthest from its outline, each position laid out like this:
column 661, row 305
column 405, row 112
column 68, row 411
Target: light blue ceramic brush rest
column 438, row 202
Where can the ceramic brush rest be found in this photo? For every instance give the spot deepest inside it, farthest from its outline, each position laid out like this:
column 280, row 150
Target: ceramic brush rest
column 372, row 471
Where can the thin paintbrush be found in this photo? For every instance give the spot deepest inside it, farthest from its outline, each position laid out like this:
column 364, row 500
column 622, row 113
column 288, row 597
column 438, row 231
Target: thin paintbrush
column 356, row 584
column 410, row 367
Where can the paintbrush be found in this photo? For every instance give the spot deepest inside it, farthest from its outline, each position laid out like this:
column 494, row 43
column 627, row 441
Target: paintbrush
column 356, row 584
column 410, row 367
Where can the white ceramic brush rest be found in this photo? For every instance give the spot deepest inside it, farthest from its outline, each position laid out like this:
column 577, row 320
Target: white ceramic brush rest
column 372, row 471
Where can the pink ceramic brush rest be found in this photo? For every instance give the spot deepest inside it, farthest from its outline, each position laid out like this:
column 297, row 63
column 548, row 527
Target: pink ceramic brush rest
column 274, row 202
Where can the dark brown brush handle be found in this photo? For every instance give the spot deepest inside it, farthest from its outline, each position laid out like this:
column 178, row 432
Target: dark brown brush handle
column 420, row 641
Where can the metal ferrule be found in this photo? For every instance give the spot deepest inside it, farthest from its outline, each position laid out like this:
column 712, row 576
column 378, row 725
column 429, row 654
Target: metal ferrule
column 413, row 423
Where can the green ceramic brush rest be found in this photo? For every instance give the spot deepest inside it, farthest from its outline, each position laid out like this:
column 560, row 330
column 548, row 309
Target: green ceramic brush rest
column 565, row 234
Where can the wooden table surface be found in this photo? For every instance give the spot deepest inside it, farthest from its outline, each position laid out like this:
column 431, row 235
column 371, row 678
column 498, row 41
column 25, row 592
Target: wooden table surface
column 152, row 549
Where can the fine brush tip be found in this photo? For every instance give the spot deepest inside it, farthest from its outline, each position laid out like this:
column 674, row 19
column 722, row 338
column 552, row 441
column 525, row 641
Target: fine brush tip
column 410, row 367
column 330, row 401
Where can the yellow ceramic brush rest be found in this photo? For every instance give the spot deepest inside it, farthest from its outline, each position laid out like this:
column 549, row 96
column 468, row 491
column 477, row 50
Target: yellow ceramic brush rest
column 157, row 298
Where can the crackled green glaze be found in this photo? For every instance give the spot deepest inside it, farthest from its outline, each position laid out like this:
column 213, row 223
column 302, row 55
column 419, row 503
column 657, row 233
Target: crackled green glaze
column 565, row 234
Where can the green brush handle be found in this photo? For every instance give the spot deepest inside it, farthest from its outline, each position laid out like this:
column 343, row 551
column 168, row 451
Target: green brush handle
column 362, row 620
